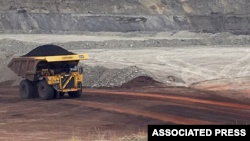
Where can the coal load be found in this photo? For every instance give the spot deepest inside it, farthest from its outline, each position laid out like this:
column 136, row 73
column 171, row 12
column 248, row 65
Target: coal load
column 48, row 50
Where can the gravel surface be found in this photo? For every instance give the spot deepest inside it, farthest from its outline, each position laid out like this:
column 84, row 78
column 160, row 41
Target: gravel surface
column 179, row 39
column 99, row 76
column 106, row 73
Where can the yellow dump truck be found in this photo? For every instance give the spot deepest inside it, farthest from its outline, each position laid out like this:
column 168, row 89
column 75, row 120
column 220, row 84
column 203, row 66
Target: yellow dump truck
column 49, row 77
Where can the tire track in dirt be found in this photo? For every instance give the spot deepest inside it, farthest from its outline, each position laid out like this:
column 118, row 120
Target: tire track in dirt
column 232, row 70
column 116, row 108
column 121, row 59
column 180, row 98
column 180, row 64
column 244, row 71
column 188, row 72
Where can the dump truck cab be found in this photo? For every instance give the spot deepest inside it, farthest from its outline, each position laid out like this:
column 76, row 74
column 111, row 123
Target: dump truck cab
column 49, row 76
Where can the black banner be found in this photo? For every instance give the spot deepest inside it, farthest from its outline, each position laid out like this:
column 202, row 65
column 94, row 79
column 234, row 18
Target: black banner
column 163, row 132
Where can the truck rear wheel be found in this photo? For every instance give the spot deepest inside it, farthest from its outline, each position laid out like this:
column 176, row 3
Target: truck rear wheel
column 26, row 89
column 45, row 91
column 75, row 94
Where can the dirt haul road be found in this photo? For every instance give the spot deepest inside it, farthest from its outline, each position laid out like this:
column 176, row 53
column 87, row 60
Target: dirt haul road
column 118, row 112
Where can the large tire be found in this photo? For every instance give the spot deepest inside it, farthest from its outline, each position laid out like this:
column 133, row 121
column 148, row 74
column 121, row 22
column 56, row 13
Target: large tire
column 27, row 89
column 61, row 94
column 75, row 94
column 45, row 91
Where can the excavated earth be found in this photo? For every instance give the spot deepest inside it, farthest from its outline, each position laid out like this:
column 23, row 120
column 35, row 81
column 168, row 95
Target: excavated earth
column 150, row 62
column 126, row 88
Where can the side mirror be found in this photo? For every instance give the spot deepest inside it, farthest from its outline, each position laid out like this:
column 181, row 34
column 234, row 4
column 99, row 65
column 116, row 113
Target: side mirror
column 80, row 70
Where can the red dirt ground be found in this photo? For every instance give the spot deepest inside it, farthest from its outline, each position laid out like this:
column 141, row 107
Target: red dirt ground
column 114, row 112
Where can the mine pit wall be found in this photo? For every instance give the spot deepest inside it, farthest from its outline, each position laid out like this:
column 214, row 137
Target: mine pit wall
column 130, row 7
column 12, row 22
column 46, row 23
column 71, row 16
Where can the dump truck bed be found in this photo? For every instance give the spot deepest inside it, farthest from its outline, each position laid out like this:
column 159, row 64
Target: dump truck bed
column 26, row 67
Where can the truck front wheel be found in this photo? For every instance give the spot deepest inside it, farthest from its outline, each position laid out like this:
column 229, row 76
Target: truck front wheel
column 45, row 91
column 26, row 89
column 75, row 94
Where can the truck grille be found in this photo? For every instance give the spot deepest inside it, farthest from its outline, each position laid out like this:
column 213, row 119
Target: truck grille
column 71, row 82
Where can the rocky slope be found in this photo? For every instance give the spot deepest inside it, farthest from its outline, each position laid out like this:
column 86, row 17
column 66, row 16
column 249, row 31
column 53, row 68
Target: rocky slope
column 77, row 16
column 145, row 7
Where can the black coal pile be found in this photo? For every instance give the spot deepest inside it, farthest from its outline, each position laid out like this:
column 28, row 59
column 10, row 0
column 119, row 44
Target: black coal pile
column 48, row 50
